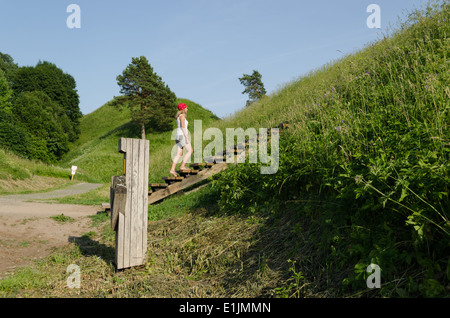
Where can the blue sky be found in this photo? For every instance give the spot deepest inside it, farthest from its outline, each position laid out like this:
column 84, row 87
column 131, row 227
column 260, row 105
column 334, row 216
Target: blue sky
column 200, row 48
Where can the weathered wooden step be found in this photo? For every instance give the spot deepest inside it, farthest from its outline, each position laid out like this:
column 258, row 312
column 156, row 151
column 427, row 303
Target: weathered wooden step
column 198, row 166
column 236, row 150
column 187, row 172
column 158, row 186
column 214, row 159
column 269, row 131
column 187, row 182
column 284, row 125
column 170, row 180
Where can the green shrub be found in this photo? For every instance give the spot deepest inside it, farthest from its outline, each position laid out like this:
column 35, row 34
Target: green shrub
column 14, row 137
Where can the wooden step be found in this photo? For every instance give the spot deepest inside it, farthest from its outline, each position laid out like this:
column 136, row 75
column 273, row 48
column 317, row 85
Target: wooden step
column 269, row 131
column 214, row 159
column 157, row 186
column 284, row 125
column 236, row 151
column 202, row 171
column 187, row 172
column 196, row 166
column 202, row 165
column 186, row 183
column 170, row 180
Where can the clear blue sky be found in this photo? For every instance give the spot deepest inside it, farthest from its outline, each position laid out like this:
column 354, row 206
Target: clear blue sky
column 200, row 48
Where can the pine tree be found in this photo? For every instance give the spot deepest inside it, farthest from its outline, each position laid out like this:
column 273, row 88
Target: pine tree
column 254, row 86
column 149, row 99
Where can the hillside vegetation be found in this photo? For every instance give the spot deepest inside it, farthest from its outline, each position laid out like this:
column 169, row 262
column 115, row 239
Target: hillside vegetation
column 363, row 179
column 364, row 168
column 39, row 112
column 22, row 175
column 96, row 151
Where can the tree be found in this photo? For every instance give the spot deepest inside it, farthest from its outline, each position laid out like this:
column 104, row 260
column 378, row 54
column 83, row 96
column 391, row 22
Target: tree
column 5, row 93
column 254, row 87
column 8, row 66
column 59, row 86
column 39, row 111
column 149, row 99
column 44, row 120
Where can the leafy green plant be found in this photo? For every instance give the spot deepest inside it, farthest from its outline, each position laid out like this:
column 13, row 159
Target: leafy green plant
column 61, row 218
column 294, row 289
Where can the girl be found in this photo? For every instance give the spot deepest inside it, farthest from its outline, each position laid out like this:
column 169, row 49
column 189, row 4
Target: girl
column 182, row 139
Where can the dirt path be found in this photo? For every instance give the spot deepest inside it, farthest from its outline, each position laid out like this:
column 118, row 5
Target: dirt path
column 27, row 232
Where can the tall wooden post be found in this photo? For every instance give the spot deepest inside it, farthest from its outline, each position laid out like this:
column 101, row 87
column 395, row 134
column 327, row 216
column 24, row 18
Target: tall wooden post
column 129, row 204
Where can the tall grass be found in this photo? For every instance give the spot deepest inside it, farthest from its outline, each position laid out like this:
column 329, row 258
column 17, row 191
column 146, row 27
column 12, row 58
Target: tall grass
column 363, row 178
column 366, row 157
column 19, row 175
column 17, row 168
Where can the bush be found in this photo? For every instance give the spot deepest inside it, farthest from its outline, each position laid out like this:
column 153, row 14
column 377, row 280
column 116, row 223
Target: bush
column 14, row 137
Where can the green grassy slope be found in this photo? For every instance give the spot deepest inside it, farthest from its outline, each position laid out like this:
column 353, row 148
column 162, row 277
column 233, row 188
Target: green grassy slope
column 95, row 153
column 365, row 163
column 363, row 179
column 19, row 175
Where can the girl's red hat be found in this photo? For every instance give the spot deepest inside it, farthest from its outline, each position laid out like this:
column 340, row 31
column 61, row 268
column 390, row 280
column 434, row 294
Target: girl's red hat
column 182, row 106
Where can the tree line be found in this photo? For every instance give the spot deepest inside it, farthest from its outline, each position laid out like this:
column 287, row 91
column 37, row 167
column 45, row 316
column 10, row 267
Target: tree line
column 39, row 110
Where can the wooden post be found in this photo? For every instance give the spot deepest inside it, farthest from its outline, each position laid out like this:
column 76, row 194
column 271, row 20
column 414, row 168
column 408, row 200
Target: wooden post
column 129, row 193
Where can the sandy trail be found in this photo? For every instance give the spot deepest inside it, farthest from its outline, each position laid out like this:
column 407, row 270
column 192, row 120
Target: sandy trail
column 27, row 232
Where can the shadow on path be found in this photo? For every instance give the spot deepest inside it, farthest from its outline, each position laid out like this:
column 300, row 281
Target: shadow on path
column 89, row 247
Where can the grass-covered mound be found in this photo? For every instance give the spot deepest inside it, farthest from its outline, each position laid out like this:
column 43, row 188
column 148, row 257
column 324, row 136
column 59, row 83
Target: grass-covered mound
column 96, row 151
column 363, row 178
column 365, row 164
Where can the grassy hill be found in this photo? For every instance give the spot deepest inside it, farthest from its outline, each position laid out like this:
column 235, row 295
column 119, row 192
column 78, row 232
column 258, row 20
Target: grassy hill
column 364, row 169
column 21, row 175
column 95, row 153
column 363, row 179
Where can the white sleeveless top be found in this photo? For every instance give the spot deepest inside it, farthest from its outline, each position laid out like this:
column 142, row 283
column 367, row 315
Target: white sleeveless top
column 179, row 129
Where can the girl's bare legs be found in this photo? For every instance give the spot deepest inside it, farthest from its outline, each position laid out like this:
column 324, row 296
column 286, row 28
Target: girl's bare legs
column 186, row 156
column 175, row 161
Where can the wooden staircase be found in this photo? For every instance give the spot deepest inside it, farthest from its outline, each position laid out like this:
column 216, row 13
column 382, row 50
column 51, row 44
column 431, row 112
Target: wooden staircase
column 188, row 178
column 198, row 172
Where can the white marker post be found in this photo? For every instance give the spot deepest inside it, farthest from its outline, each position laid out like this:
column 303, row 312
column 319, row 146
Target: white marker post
column 74, row 170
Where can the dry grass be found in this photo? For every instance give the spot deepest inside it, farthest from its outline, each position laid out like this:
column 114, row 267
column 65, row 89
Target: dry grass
column 34, row 184
column 198, row 254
